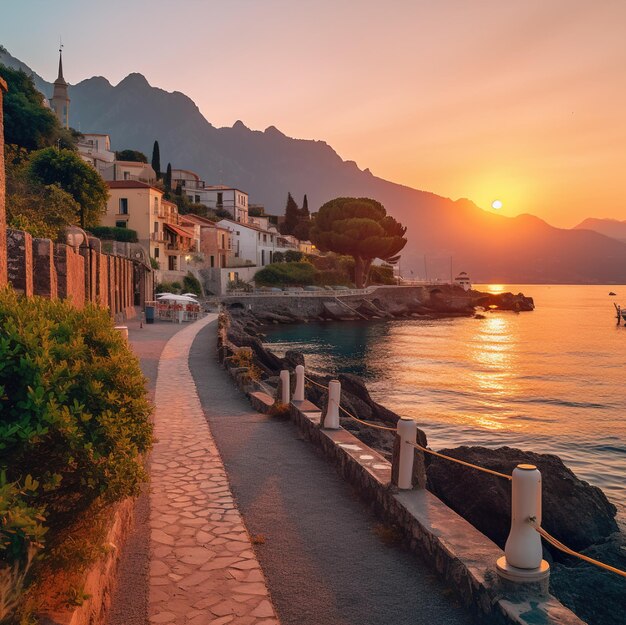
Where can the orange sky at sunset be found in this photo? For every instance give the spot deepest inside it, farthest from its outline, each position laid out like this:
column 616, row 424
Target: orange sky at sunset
column 523, row 102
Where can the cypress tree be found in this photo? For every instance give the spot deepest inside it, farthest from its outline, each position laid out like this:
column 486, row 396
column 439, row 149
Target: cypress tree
column 292, row 216
column 305, row 207
column 156, row 159
column 168, row 177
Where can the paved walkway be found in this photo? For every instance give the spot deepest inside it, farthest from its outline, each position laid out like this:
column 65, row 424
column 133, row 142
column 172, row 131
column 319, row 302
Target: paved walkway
column 203, row 570
column 322, row 557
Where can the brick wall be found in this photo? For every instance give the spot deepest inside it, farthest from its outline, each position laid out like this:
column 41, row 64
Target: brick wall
column 41, row 267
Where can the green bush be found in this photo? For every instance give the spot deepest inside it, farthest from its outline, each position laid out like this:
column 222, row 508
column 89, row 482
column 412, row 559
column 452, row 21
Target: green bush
column 74, row 420
column 382, row 274
column 293, row 256
column 332, row 278
column 278, row 257
column 289, row 274
column 191, row 284
column 114, row 234
column 167, row 287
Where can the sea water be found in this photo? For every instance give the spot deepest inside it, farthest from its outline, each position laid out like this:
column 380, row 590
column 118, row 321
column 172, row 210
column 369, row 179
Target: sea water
column 549, row 381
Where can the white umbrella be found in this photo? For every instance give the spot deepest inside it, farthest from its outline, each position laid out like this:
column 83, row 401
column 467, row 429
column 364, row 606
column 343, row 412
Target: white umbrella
column 178, row 298
column 190, row 295
column 160, row 295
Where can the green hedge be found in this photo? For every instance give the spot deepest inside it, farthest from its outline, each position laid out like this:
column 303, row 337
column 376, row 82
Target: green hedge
column 191, row 284
column 74, row 421
column 293, row 274
column 125, row 235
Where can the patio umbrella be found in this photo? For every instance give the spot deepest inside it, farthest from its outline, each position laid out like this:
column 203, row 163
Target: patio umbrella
column 190, row 295
column 178, row 298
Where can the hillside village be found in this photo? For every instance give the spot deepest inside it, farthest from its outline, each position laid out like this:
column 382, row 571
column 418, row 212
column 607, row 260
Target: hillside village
column 221, row 254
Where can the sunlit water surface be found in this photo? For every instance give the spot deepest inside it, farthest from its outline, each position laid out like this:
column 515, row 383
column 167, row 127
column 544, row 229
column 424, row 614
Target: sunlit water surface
column 551, row 381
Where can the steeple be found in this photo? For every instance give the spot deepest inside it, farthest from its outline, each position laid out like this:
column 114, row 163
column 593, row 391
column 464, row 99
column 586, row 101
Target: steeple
column 60, row 78
column 60, row 101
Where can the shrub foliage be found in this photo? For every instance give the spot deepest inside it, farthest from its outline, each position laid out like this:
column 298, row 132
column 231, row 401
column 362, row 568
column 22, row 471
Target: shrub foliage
column 114, row 234
column 294, row 274
column 74, row 420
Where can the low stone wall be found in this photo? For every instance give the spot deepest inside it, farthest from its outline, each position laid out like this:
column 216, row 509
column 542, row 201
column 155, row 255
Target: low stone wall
column 100, row 579
column 41, row 267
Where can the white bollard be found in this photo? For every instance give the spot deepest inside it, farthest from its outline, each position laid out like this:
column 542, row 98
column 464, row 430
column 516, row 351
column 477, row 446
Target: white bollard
column 123, row 331
column 331, row 420
column 407, row 431
column 523, row 553
column 284, row 380
column 299, row 392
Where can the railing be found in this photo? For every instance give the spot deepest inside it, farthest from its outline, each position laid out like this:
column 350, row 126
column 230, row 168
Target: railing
column 522, row 561
column 321, row 293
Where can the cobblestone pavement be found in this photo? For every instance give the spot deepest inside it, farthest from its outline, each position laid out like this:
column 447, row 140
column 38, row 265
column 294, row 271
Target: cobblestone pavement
column 203, row 570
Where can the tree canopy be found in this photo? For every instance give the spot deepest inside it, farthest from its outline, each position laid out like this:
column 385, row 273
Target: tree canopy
column 134, row 156
column 292, row 216
column 27, row 122
column 68, row 171
column 361, row 228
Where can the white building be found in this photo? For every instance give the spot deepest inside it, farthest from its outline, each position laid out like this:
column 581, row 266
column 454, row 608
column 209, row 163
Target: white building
column 233, row 200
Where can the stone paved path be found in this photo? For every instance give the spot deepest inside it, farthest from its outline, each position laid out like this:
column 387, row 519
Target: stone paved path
column 203, row 570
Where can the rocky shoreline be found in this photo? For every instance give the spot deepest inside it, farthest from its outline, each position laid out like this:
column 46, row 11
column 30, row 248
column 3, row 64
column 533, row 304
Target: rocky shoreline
column 384, row 302
column 575, row 512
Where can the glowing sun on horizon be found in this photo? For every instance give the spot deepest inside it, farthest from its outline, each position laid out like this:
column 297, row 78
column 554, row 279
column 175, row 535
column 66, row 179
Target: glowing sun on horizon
column 496, row 204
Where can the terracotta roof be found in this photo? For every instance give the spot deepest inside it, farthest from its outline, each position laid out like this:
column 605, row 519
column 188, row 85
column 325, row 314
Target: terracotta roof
column 130, row 184
column 198, row 219
column 181, row 232
column 168, row 203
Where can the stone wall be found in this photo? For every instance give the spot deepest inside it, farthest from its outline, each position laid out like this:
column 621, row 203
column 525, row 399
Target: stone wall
column 41, row 267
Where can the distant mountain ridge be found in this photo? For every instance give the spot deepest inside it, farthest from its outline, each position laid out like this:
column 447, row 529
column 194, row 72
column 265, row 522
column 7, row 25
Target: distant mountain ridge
column 613, row 228
column 445, row 236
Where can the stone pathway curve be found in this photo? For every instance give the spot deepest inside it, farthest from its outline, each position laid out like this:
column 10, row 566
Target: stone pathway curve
column 203, row 570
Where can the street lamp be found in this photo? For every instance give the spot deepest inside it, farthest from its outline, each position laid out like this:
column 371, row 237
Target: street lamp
column 75, row 237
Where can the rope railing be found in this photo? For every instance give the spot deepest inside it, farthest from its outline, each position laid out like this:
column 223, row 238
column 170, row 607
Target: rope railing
column 561, row 547
column 349, row 414
column 467, row 464
column 526, row 493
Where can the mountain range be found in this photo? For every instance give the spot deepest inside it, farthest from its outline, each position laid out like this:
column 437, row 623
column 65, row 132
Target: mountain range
column 445, row 235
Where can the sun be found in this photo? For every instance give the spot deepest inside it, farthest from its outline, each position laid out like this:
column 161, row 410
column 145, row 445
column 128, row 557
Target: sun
column 496, row 204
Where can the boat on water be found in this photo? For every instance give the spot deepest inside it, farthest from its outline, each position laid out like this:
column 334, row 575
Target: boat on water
column 463, row 280
column 621, row 312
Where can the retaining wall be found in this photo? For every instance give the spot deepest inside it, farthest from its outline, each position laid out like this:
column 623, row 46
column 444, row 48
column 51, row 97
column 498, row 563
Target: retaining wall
column 41, row 267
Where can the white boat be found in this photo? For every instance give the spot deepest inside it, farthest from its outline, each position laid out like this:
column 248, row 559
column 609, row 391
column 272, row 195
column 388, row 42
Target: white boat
column 463, row 281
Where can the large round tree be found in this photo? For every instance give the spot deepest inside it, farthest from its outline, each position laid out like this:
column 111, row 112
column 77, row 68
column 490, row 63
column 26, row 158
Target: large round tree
column 361, row 228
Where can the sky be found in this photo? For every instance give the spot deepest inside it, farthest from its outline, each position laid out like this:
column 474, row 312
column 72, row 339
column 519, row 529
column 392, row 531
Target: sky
column 521, row 102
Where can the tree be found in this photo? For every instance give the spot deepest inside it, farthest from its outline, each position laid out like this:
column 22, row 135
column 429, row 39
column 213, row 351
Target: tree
column 292, row 216
column 278, row 257
column 27, row 122
column 67, row 170
column 302, row 231
column 304, row 212
column 168, row 178
column 134, row 156
column 156, row 159
column 361, row 228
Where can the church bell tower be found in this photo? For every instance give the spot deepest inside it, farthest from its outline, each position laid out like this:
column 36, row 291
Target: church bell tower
column 60, row 102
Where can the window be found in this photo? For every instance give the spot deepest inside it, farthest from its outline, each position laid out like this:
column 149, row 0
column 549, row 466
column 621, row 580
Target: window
column 126, row 175
column 220, row 200
column 223, row 241
column 263, row 257
column 156, row 227
column 123, row 206
column 172, row 262
column 156, row 205
column 264, row 238
column 156, row 252
column 120, row 224
column 223, row 260
column 212, row 261
column 197, row 199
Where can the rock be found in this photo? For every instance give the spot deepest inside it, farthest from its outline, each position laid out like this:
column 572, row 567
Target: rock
column 293, row 358
column 577, row 514
column 573, row 584
column 266, row 358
